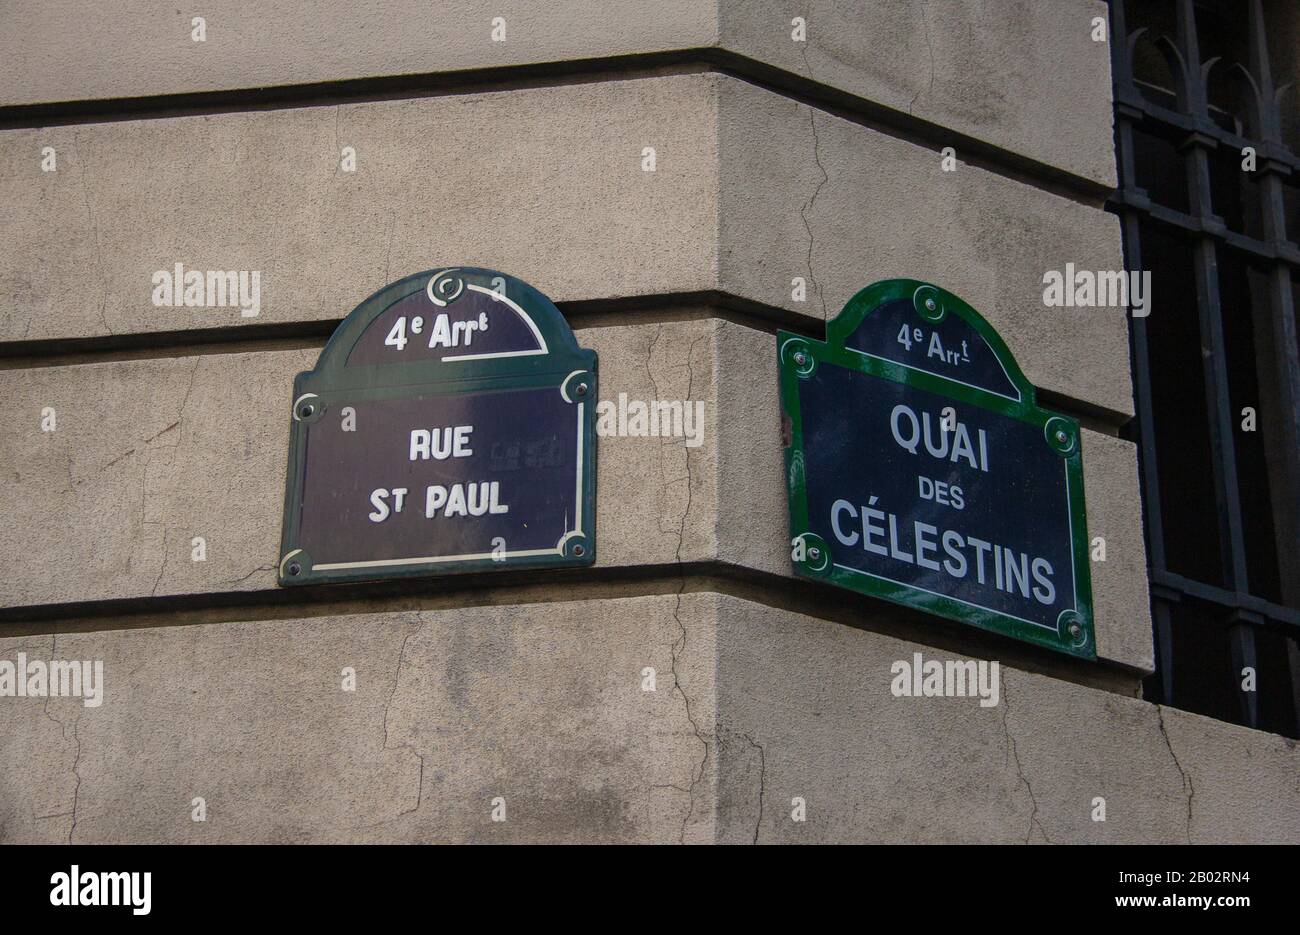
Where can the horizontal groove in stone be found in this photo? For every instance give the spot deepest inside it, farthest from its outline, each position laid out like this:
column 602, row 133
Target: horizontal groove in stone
column 587, row 313
column 844, row 104
column 520, row 588
column 594, row 313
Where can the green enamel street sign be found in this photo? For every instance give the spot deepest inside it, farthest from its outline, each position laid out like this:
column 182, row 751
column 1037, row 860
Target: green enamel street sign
column 447, row 427
column 920, row 469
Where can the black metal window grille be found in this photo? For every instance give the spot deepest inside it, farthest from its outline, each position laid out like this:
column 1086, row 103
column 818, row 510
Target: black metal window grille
column 1198, row 87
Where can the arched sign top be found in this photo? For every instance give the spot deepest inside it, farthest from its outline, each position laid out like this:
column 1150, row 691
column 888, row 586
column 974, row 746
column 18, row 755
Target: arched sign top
column 452, row 323
column 927, row 330
column 448, row 426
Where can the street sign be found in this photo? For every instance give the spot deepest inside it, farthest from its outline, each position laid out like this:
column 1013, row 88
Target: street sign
column 447, row 427
column 921, row 470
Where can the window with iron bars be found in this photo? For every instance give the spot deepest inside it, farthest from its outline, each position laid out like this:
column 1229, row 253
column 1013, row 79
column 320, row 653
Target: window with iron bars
column 1209, row 202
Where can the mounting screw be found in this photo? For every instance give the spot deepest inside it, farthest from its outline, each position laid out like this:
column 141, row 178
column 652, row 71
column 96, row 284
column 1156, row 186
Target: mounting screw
column 295, row 569
column 1075, row 630
column 579, row 551
column 1061, row 436
column 306, row 410
column 800, row 358
column 931, row 304
column 581, row 390
column 814, row 553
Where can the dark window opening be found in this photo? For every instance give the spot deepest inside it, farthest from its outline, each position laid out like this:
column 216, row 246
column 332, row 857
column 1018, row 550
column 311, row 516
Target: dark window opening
column 1209, row 202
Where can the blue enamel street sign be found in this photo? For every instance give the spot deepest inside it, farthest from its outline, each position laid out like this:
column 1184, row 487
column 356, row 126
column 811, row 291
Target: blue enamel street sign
column 920, row 470
column 447, row 427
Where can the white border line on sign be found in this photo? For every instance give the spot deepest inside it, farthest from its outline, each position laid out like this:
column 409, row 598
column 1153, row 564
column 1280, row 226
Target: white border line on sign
column 898, row 363
column 497, row 297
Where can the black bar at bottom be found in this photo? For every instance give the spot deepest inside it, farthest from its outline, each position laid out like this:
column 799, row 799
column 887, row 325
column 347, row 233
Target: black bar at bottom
column 937, row 885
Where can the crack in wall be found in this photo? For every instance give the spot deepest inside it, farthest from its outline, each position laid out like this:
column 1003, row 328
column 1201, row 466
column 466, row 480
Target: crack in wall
column 162, row 566
column 655, row 787
column 925, row 25
column 94, row 228
column 677, row 607
column 185, row 401
column 104, row 468
column 76, row 759
column 170, row 427
column 808, row 206
column 241, row 580
column 1020, row 771
column 144, row 474
column 1188, row 788
column 678, row 645
column 762, row 782
column 76, row 790
column 397, row 679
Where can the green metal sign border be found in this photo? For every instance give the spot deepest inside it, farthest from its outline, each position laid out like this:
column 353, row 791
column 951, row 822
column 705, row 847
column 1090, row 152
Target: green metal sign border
column 570, row 369
column 798, row 357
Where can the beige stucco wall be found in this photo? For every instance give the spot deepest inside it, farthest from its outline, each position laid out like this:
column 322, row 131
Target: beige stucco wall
column 990, row 71
column 774, row 162
column 545, row 705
